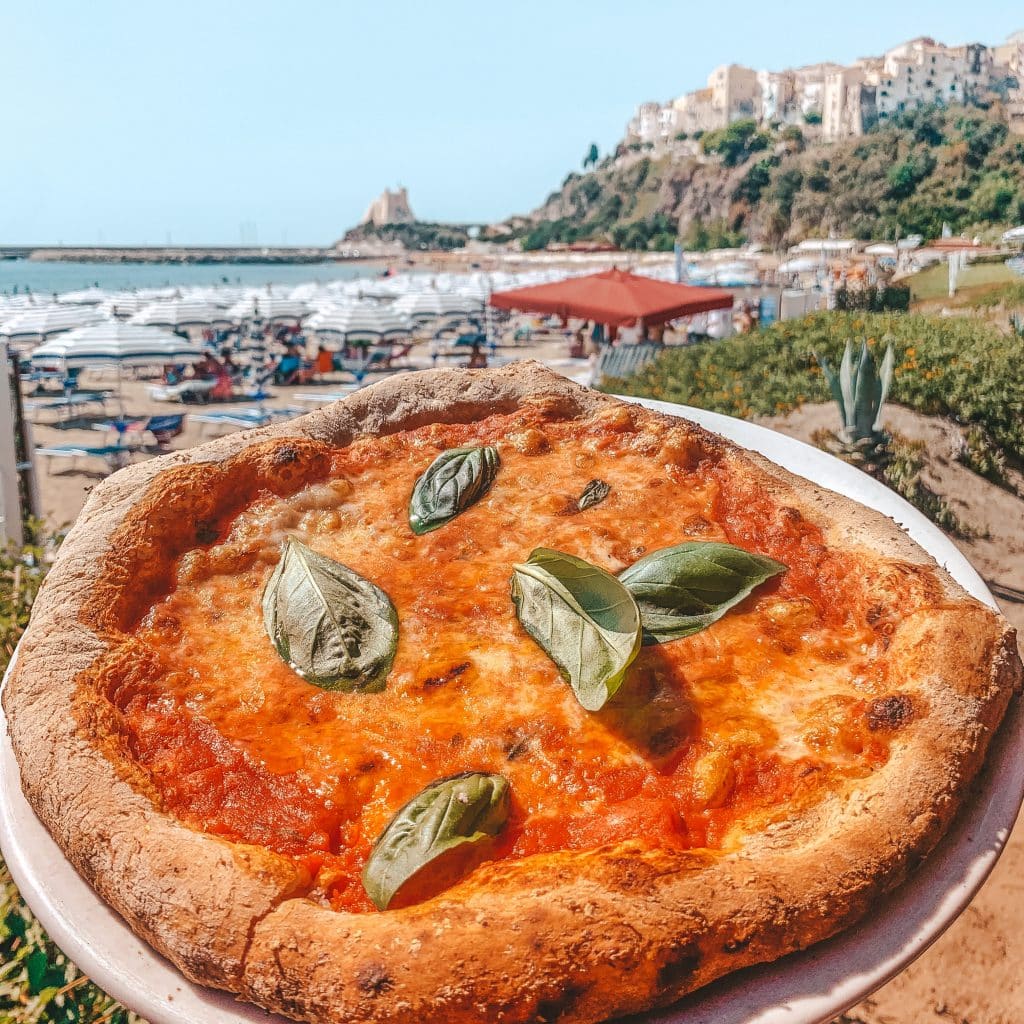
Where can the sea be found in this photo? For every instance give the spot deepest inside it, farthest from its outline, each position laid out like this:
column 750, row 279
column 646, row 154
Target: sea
column 46, row 278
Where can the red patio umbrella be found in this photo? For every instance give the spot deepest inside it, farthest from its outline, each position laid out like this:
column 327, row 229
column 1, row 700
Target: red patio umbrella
column 616, row 298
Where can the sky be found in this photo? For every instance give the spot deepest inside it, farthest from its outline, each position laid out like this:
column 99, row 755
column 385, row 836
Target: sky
column 209, row 121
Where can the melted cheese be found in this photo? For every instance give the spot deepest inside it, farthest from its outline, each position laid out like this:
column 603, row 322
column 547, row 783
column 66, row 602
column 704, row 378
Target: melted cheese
column 746, row 721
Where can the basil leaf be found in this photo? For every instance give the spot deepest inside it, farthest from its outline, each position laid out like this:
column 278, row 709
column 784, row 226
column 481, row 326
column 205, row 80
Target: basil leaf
column 584, row 619
column 593, row 494
column 336, row 629
column 468, row 808
column 456, row 479
column 683, row 589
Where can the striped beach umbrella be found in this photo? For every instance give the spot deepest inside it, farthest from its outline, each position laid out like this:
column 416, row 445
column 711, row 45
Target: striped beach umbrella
column 268, row 307
column 362, row 322
column 431, row 305
column 180, row 313
column 114, row 343
column 34, row 325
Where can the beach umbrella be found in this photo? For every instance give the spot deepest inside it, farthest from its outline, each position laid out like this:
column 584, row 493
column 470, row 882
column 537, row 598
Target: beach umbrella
column 83, row 297
column 881, row 249
column 363, row 322
column 800, row 265
column 115, row 343
column 431, row 305
column 180, row 313
column 1014, row 234
column 268, row 307
column 39, row 324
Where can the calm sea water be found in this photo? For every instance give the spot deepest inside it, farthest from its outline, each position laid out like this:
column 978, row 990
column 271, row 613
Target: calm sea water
column 45, row 277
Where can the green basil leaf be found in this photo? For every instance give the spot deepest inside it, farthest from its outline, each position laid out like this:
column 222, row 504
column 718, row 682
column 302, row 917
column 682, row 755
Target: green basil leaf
column 593, row 494
column 456, row 479
column 336, row 629
column 468, row 808
column 683, row 589
column 583, row 617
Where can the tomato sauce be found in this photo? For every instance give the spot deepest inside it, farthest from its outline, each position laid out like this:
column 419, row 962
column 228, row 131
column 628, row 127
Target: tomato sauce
column 728, row 729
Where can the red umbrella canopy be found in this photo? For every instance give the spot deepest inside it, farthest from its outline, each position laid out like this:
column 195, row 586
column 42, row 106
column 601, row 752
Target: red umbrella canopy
column 616, row 298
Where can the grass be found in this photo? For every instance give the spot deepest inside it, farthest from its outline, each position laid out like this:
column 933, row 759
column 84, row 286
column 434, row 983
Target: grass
column 933, row 283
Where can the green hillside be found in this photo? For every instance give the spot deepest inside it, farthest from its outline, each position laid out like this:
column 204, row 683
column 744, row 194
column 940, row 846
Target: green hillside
column 929, row 167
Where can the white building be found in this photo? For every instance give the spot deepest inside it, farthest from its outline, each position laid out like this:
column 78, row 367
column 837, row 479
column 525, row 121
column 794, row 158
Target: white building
column 847, row 100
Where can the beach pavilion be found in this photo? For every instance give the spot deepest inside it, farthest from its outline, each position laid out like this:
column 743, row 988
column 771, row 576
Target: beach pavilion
column 615, row 298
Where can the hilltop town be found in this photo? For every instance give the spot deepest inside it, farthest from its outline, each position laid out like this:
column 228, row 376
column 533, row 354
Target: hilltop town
column 837, row 102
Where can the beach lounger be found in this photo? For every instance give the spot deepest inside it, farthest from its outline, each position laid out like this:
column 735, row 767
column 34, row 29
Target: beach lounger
column 163, row 428
column 242, row 419
column 114, row 456
column 196, row 390
column 65, row 405
column 323, row 397
column 622, row 361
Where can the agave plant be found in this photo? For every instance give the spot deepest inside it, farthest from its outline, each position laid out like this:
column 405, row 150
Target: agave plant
column 860, row 390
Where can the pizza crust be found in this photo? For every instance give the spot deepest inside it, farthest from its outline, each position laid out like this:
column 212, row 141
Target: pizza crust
column 573, row 936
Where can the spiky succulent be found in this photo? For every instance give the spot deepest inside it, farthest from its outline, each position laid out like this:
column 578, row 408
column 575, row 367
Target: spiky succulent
column 860, row 390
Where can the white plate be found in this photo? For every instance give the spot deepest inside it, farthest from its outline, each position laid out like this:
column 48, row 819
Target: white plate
column 805, row 988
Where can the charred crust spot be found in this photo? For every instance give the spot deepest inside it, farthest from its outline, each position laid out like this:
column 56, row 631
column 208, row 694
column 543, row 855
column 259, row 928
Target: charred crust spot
column 446, row 677
column 206, row 531
column 874, row 614
column 366, row 766
column 550, row 1010
column 697, row 524
column 679, row 967
column 736, row 945
column 664, row 741
column 892, row 712
column 374, row 980
column 286, row 455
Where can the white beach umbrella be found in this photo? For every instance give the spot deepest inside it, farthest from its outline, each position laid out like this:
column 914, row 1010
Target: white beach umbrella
column 39, row 324
column 115, row 343
column 180, row 313
column 267, row 307
column 1014, row 234
column 430, row 305
column 83, row 297
column 800, row 265
column 121, row 305
column 364, row 322
column 881, row 249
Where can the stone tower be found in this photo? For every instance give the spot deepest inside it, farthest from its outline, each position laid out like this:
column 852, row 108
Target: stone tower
column 389, row 208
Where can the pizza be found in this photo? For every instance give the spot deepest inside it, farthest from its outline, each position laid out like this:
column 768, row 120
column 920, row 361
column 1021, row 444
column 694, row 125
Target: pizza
column 481, row 696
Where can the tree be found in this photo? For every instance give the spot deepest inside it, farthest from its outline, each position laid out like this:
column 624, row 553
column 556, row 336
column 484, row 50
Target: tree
column 593, row 155
column 696, row 238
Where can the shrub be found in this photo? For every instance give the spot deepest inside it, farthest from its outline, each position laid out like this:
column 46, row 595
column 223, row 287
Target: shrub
column 963, row 369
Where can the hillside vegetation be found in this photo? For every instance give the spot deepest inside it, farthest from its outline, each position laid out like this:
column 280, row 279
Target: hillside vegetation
column 961, row 368
column 958, row 166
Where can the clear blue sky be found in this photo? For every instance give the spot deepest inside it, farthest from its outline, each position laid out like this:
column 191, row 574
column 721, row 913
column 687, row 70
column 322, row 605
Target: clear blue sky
column 210, row 121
